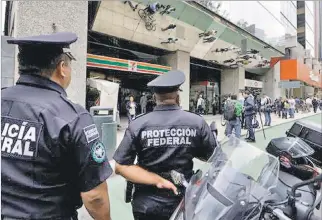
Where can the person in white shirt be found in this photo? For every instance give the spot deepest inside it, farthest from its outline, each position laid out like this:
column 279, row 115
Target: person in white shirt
column 131, row 109
column 292, row 103
column 266, row 104
column 200, row 105
column 308, row 102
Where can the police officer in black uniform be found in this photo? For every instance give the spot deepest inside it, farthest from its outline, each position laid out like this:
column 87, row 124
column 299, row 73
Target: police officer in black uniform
column 163, row 140
column 52, row 158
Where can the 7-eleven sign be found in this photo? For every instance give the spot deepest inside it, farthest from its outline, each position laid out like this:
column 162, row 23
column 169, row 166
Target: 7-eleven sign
column 133, row 66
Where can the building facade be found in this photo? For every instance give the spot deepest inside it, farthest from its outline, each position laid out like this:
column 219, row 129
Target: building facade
column 278, row 19
column 118, row 45
column 306, row 25
column 318, row 30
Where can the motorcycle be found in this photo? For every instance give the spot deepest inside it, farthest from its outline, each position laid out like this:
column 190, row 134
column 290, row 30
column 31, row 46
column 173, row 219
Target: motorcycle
column 243, row 182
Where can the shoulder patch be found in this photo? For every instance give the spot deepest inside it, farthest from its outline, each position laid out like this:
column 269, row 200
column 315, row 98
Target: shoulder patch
column 98, row 152
column 91, row 133
column 193, row 113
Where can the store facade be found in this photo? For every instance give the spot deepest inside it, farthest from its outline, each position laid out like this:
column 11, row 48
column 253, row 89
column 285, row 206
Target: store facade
column 295, row 70
column 132, row 76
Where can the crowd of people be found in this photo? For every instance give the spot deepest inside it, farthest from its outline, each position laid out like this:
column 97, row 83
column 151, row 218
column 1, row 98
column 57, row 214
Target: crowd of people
column 288, row 107
column 241, row 113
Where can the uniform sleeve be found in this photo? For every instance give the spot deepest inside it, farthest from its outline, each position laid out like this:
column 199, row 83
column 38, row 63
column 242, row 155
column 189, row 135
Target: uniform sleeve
column 126, row 152
column 208, row 143
column 90, row 154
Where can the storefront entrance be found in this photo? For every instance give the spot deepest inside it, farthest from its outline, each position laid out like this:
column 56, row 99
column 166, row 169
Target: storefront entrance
column 205, row 81
column 132, row 77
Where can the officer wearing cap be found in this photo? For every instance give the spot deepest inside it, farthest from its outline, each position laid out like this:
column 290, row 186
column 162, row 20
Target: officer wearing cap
column 163, row 140
column 52, row 158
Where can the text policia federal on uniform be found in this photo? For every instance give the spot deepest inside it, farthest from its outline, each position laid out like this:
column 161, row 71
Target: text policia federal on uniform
column 19, row 138
column 174, row 136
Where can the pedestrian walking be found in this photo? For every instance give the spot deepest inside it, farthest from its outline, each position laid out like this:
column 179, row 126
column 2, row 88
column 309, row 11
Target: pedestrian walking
column 285, row 108
column 143, row 103
column 242, row 100
column 201, row 105
column 266, row 106
column 315, row 104
column 232, row 113
column 249, row 111
column 292, row 103
column 131, row 107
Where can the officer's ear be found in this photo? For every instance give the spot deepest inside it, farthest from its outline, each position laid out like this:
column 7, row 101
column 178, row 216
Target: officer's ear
column 63, row 67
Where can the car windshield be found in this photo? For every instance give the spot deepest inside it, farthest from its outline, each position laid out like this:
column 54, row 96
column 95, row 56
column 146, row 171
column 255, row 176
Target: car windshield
column 299, row 149
column 238, row 178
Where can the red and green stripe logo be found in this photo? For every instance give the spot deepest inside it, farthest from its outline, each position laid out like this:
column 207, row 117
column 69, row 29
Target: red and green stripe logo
column 125, row 65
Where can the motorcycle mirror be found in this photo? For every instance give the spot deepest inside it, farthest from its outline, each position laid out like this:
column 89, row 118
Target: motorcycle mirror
column 178, row 178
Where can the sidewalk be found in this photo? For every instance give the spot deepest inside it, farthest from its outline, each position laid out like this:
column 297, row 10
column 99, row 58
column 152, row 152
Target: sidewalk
column 221, row 129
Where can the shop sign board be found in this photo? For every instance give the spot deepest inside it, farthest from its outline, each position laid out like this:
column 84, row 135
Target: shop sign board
column 289, row 84
column 253, row 83
column 105, row 62
column 133, row 66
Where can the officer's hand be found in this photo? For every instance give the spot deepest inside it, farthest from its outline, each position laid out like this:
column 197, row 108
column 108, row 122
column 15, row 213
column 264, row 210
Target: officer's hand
column 165, row 184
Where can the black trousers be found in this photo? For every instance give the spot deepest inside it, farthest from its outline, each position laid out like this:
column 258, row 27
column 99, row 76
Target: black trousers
column 214, row 109
column 243, row 121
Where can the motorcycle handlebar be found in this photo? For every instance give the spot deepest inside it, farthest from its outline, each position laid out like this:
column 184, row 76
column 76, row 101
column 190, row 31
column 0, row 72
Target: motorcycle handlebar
column 304, row 183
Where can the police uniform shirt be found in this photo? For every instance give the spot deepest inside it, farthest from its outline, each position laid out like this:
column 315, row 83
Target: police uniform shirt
column 50, row 151
column 166, row 139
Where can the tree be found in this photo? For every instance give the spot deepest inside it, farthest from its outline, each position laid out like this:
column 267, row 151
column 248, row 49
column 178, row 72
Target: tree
column 215, row 6
column 242, row 23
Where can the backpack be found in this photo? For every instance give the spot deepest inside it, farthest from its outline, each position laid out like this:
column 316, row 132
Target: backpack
column 230, row 111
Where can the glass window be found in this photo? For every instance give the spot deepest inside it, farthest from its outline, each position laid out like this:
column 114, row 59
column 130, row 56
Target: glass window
column 309, row 18
column 309, row 36
column 310, row 6
column 262, row 19
column 289, row 12
column 308, row 46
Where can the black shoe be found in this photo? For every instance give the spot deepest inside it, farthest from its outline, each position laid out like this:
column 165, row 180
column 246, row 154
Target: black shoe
column 250, row 140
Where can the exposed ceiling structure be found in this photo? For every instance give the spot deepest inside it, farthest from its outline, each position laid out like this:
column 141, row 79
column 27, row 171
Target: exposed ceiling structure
column 115, row 18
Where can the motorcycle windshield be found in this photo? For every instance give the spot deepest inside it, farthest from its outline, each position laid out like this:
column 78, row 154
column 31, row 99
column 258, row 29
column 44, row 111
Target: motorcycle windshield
column 238, row 179
column 300, row 149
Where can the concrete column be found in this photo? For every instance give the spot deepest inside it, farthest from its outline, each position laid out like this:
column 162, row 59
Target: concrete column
column 270, row 82
column 37, row 17
column 180, row 60
column 232, row 80
column 7, row 63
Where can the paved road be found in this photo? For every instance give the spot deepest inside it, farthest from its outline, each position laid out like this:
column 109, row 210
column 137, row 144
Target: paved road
column 122, row 211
